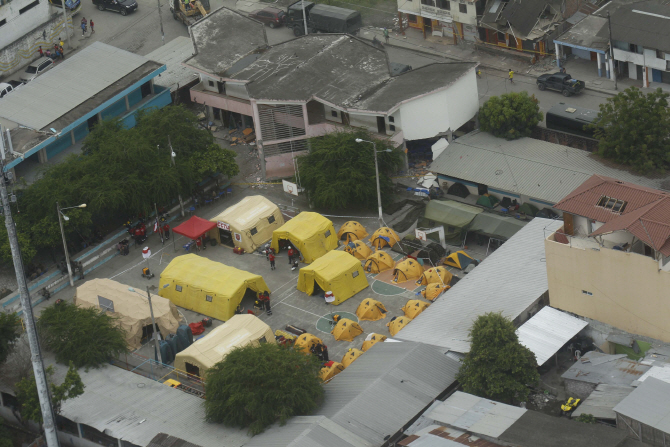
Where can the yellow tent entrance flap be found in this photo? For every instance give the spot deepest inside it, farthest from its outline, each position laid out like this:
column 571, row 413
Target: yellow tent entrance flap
column 379, row 262
column 371, row 340
column 396, row 324
column 335, row 271
column 371, row 310
column 306, row 342
column 432, row 291
column 207, row 287
column 351, row 356
column 439, row 275
column 407, row 270
column 311, row 233
column 383, row 237
column 346, row 330
column 331, row 370
column 351, row 231
column 412, row 308
column 358, row 249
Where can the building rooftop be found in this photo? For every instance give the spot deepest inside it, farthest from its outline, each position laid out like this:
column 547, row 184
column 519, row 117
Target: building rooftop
column 438, row 436
column 584, row 34
column 602, row 401
column 648, row 404
column 595, row 367
column 523, row 15
column 171, row 55
column 641, row 23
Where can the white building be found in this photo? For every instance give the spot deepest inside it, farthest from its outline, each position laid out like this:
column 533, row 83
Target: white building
column 19, row 16
column 446, row 18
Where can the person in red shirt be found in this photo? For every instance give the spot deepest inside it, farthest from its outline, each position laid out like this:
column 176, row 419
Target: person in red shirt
column 271, row 257
column 198, row 244
column 291, row 254
column 41, row 52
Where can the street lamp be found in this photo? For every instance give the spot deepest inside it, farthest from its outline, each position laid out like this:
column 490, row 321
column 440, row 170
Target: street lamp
column 62, row 216
column 379, row 193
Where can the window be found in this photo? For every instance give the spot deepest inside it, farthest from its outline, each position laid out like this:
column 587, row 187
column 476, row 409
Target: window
column 391, row 119
column 253, row 231
column 585, row 292
column 177, row 288
column 208, row 298
column 29, row 6
column 145, row 89
column 327, row 235
column 660, row 54
column 354, row 274
column 411, row 18
column 333, row 113
column 10, row 401
column 463, row 8
column 444, row 4
column 45, row 65
column 262, row 340
column 211, row 83
column 391, row 127
column 610, row 203
column 3, row 22
column 428, row 2
column 271, row 219
column 66, row 426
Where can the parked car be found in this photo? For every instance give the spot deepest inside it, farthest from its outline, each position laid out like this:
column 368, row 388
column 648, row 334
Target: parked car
column 122, row 6
column 36, row 68
column 8, row 87
column 272, row 17
column 561, row 82
column 322, row 19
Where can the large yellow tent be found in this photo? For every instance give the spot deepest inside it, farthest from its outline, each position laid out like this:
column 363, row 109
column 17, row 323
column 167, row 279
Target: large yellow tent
column 407, row 270
column 335, row 271
column 432, row 291
column 351, row 356
column 412, row 308
column 439, row 275
column 397, row 324
column 208, row 287
column 379, row 262
column 328, row 372
column 384, row 236
column 311, row 233
column 371, row 310
column 306, row 341
column 370, row 341
column 130, row 307
column 358, row 249
column 247, row 224
column 346, row 330
column 239, row 331
column 351, row 231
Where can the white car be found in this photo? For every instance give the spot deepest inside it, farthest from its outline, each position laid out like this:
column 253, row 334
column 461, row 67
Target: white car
column 36, row 68
column 8, row 87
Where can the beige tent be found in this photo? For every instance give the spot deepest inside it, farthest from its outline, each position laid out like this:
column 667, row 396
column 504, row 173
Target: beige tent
column 239, row 331
column 131, row 307
column 247, row 224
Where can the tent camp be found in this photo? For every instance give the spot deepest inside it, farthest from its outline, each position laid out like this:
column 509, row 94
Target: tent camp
column 528, row 209
column 247, row 224
column 335, row 271
column 306, row 342
column 371, row 310
column 412, row 308
column 346, row 330
column 384, row 236
column 379, row 262
column 488, row 201
column 351, row 231
column 194, row 227
column 397, row 324
column 311, row 233
column 453, row 216
column 331, row 370
column 459, row 190
column 239, row 331
column 459, row 260
column 496, row 226
column 130, row 307
column 432, row 291
column 439, row 275
column 407, row 270
column 358, row 249
column 371, row 340
column 208, row 287
column 351, row 356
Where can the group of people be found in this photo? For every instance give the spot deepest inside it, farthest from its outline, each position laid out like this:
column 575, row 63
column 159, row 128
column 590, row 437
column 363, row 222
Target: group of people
column 84, row 26
column 263, row 302
column 293, row 257
column 58, row 51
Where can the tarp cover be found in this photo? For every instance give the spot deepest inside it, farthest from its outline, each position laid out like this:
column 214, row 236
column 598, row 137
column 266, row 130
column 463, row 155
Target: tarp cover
column 335, row 271
column 239, row 331
column 253, row 218
column 194, row 227
column 493, row 225
column 207, row 287
column 311, row 233
column 452, row 213
column 131, row 308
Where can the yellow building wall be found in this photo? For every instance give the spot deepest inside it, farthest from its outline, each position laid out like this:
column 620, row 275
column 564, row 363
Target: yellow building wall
column 628, row 290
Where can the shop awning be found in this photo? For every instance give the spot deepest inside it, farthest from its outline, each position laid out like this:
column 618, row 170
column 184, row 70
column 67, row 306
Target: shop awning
column 496, row 226
column 449, row 212
column 194, row 227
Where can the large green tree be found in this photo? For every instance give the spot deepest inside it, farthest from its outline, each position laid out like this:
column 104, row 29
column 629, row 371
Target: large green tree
column 84, row 336
column 339, row 173
column 256, row 386
column 511, row 116
column 633, row 127
column 10, row 329
column 497, row 367
column 5, row 435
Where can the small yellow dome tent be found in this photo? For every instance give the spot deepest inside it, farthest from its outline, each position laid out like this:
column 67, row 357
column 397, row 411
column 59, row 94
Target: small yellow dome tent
column 412, row 308
column 407, row 270
column 371, row 340
column 311, row 233
column 460, row 260
column 432, row 291
column 371, row 310
column 346, row 330
column 379, row 262
column 305, row 342
column 351, row 356
column 328, row 372
column 383, row 237
column 397, row 324
column 351, row 231
column 439, row 275
column 358, row 249
column 335, row 271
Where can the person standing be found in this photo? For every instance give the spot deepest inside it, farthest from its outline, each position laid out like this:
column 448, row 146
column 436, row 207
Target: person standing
column 61, row 43
column 511, row 76
column 291, row 254
column 386, row 35
column 41, row 51
column 271, row 257
column 91, row 25
column 84, row 23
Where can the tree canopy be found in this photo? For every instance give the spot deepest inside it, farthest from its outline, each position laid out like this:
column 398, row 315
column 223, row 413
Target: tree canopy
column 255, row 387
column 511, row 116
column 10, row 329
column 84, row 336
column 340, row 173
column 497, row 367
column 5, row 435
column 633, row 127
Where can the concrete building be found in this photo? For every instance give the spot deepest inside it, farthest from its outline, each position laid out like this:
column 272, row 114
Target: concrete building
column 444, row 18
column 645, row 415
column 609, row 261
column 18, row 16
column 584, row 42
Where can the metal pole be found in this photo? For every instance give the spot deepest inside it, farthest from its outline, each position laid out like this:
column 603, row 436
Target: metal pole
column 67, row 30
column 160, row 18
column 181, row 202
column 67, row 254
column 48, row 415
column 155, row 334
column 612, row 62
column 379, row 192
column 304, row 16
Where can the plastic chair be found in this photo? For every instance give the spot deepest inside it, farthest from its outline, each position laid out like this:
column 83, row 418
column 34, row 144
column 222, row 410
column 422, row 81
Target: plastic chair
column 191, row 210
column 208, row 201
column 229, row 191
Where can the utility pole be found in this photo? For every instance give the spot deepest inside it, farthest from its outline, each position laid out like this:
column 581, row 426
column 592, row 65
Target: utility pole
column 379, row 192
column 48, row 415
column 172, row 156
column 612, row 63
column 67, row 253
column 155, row 332
column 304, row 16
column 67, row 30
column 160, row 18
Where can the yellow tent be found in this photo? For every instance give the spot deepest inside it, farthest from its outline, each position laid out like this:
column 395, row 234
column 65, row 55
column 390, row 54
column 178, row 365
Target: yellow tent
column 397, row 324
column 358, row 249
column 207, row 287
column 311, row 233
column 130, row 308
column 239, row 331
column 247, row 224
column 459, row 259
column 305, row 342
column 383, row 237
column 379, row 262
column 370, row 341
column 335, row 271
column 346, row 330
column 351, row 356
column 351, row 231
column 371, row 310
column 439, row 275
column 432, row 291
column 412, row 308
column 407, row 270
column 328, row 372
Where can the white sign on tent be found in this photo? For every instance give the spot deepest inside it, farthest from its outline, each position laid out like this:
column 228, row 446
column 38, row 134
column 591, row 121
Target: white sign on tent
column 290, row 188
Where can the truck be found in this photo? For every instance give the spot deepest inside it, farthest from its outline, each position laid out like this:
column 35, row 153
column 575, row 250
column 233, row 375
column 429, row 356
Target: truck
column 73, row 6
column 8, row 87
column 561, row 82
column 322, row 19
column 190, row 14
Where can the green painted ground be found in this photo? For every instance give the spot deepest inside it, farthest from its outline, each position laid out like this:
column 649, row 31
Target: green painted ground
column 324, row 324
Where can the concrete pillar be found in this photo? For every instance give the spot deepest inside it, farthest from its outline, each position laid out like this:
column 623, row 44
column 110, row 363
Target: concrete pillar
column 81, row 435
column 305, row 117
column 645, row 76
column 99, row 117
column 558, row 55
column 151, row 85
column 72, row 137
column 42, row 155
column 612, row 69
column 127, row 103
column 601, row 58
column 632, row 70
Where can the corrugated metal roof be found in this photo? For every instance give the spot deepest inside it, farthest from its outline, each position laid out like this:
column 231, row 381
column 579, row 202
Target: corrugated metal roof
column 535, row 168
column 602, row 401
column 595, row 367
column 657, row 372
column 508, row 281
column 476, row 414
column 438, row 436
column 648, row 404
column 172, row 54
column 307, row 431
column 547, row 331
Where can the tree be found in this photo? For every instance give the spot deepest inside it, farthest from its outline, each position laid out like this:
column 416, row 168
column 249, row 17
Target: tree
column 586, row 418
column 256, row 386
column 510, row 116
column 497, row 367
column 5, row 435
column 340, row 173
column 9, row 333
column 83, row 336
column 633, row 127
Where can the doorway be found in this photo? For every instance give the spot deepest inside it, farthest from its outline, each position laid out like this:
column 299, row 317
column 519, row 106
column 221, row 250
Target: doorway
column 381, row 124
column 226, row 237
column 92, row 122
column 192, row 369
column 482, row 189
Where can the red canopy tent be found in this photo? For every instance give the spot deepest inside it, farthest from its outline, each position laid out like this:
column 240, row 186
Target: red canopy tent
column 194, row 227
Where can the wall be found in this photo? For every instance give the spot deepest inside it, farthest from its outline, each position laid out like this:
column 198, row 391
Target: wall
column 237, row 90
column 17, row 23
column 329, row 115
column 368, row 122
column 220, row 101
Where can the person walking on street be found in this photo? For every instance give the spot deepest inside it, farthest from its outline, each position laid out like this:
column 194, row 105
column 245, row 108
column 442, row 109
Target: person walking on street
column 511, row 76
column 386, row 35
column 41, row 52
column 84, row 23
column 91, row 25
column 271, row 257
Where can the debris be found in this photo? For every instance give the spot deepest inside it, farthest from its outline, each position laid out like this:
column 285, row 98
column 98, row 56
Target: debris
column 201, row 116
column 247, row 131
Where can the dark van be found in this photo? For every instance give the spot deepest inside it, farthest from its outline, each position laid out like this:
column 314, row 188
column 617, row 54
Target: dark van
column 322, row 19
